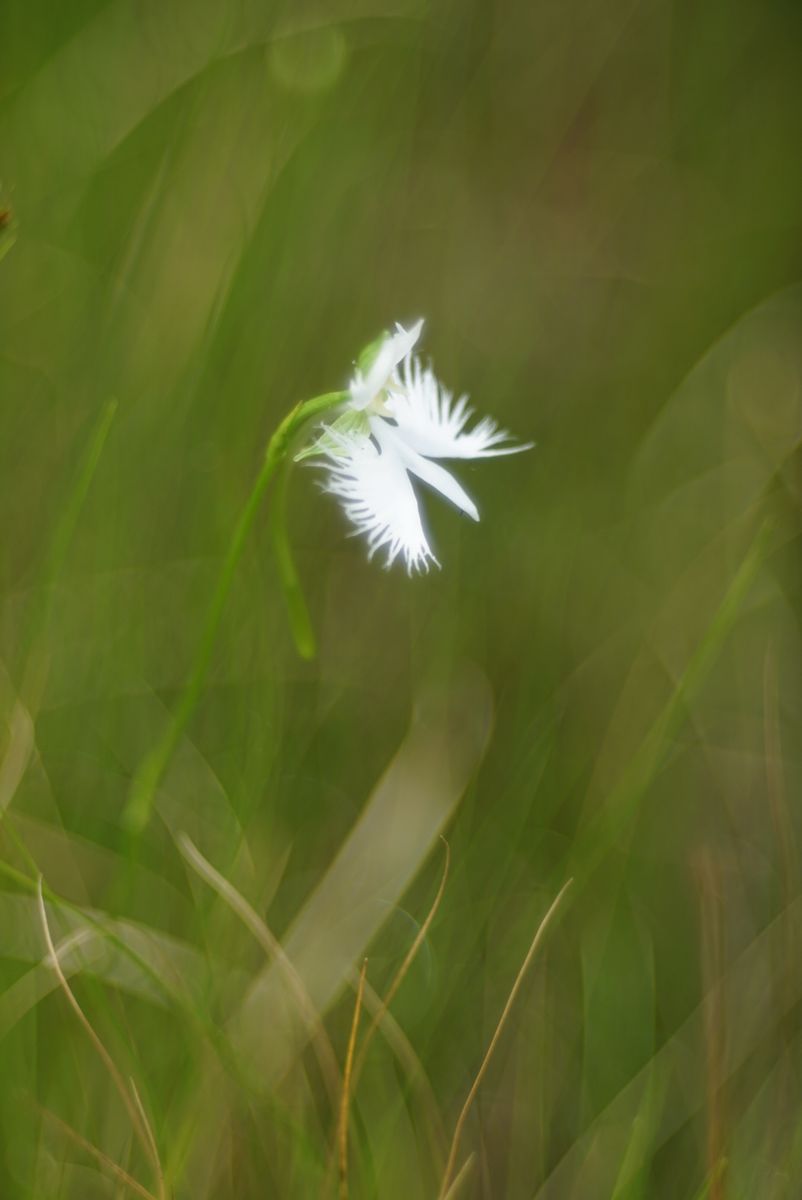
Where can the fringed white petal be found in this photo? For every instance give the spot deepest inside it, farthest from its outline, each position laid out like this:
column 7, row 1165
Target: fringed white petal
column 434, row 424
column 394, row 349
column 397, row 419
column 376, row 493
column 430, row 472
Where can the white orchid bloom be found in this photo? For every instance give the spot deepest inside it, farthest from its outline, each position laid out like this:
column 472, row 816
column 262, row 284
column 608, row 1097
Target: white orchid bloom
column 398, row 418
column 393, row 349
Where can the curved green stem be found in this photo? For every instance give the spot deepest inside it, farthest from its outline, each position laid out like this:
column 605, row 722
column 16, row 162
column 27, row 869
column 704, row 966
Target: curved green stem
column 147, row 778
column 298, row 613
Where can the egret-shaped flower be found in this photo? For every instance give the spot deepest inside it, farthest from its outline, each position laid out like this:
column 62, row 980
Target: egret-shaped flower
column 397, row 419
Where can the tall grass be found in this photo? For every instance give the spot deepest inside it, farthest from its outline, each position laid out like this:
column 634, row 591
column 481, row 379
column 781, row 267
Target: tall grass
column 206, row 209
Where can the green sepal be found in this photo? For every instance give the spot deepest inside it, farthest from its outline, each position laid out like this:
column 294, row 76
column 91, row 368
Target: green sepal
column 348, row 424
column 368, row 355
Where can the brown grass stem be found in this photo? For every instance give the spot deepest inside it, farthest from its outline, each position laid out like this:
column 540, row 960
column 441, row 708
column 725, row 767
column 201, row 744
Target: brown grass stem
column 400, row 974
column 460, row 1178
column 516, row 987
column 99, row 1155
column 342, row 1124
column 274, row 951
column 132, row 1104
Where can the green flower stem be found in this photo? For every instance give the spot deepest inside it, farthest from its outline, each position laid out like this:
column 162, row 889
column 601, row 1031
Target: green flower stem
column 148, row 777
column 298, row 614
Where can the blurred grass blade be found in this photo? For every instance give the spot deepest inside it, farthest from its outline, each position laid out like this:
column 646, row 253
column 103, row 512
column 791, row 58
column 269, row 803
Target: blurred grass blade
column 149, row 775
column 67, row 522
column 588, row 1167
column 632, row 1182
column 8, row 237
column 715, row 1177
column 275, row 952
column 139, row 960
column 601, row 832
column 382, row 854
column 21, row 737
column 18, row 750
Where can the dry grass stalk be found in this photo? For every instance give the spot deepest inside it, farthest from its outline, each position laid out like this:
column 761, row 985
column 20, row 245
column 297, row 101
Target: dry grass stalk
column 455, row 1141
column 714, row 1014
column 400, row 1046
column 99, row 1155
column 132, row 1104
column 342, row 1125
column 409, row 958
column 460, row 1178
column 275, row 951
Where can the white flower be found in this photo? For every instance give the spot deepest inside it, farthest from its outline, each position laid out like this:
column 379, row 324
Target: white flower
column 398, row 418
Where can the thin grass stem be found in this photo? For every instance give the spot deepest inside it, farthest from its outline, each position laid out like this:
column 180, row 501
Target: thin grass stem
column 405, row 1054
column 460, row 1178
column 400, row 974
column 119, row 1172
column 274, row 950
column 342, row 1124
column 516, row 987
column 133, row 1107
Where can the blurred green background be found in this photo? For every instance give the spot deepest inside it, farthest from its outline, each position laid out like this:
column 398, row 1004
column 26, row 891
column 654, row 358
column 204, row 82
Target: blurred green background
column 210, row 208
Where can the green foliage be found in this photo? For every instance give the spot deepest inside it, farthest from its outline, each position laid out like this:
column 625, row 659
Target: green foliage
column 206, row 208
